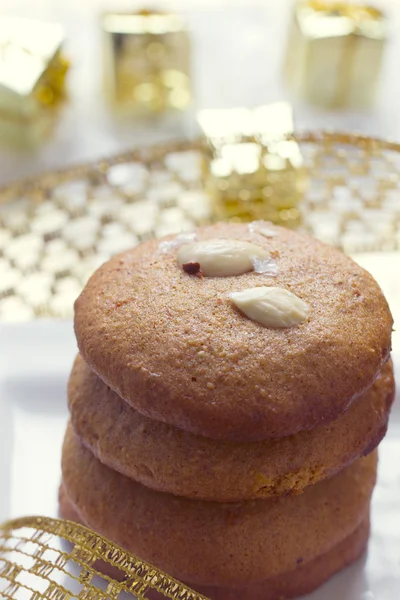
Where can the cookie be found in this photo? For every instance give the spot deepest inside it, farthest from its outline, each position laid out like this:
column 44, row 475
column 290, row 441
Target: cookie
column 214, row 543
column 178, row 349
column 171, row 460
column 302, row 580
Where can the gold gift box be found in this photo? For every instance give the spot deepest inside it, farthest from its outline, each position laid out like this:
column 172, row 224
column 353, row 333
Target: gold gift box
column 32, row 78
column 146, row 66
column 334, row 53
column 254, row 170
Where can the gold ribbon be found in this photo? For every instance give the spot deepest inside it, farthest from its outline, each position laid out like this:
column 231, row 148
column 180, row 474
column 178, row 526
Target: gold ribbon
column 35, row 558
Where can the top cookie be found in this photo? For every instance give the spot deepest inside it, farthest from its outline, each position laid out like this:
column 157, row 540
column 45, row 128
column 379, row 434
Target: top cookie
column 175, row 347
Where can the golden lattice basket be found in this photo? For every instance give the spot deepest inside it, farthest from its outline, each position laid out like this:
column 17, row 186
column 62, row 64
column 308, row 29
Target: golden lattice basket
column 57, row 228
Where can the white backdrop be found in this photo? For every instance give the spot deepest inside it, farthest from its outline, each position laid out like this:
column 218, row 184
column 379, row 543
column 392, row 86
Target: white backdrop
column 238, row 49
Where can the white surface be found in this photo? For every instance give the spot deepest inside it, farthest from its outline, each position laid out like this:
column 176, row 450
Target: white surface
column 35, row 359
column 34, row 362
column 238, row 48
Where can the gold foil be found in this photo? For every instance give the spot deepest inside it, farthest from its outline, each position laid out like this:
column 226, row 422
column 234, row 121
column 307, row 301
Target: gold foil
column 36, row 562
column 334, row 53
column 146, row 65
column 253, row 172
column 32, row 78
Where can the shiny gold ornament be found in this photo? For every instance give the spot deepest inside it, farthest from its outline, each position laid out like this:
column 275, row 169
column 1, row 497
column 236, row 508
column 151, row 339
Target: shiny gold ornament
column 53, row 559
column 146, row 67
column 334, row 53
column 50, row 89
column 32, row 78
column 252, row 171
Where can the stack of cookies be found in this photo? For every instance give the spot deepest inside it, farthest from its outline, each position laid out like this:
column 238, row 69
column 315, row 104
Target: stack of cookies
column 230, row 392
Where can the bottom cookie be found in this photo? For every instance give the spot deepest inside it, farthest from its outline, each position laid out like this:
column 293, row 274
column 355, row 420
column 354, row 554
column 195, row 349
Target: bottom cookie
column 306, row 578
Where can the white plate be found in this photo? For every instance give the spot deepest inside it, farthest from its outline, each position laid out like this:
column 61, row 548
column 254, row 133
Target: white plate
column 35, row 359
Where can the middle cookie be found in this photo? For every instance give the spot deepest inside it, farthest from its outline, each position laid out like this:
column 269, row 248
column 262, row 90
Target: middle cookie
column 168, row 459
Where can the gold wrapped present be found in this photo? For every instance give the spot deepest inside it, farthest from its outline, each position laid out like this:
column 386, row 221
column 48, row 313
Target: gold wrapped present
column 254, row 169
column 334, row 53
column 32, row 78
column 146, row 61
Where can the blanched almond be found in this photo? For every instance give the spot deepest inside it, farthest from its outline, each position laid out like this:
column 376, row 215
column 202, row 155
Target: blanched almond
column 221, row 258
column 271, row 306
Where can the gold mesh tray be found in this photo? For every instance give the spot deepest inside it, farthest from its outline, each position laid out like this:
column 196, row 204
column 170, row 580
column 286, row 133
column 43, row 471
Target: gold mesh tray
column 57, row 228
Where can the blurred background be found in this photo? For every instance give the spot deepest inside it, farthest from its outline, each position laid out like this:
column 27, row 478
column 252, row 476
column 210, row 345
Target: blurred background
column 151, row 119
column 237, row 55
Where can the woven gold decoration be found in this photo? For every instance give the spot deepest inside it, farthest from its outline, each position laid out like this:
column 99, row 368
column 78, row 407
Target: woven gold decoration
column 57, row 560
column 56, row 229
